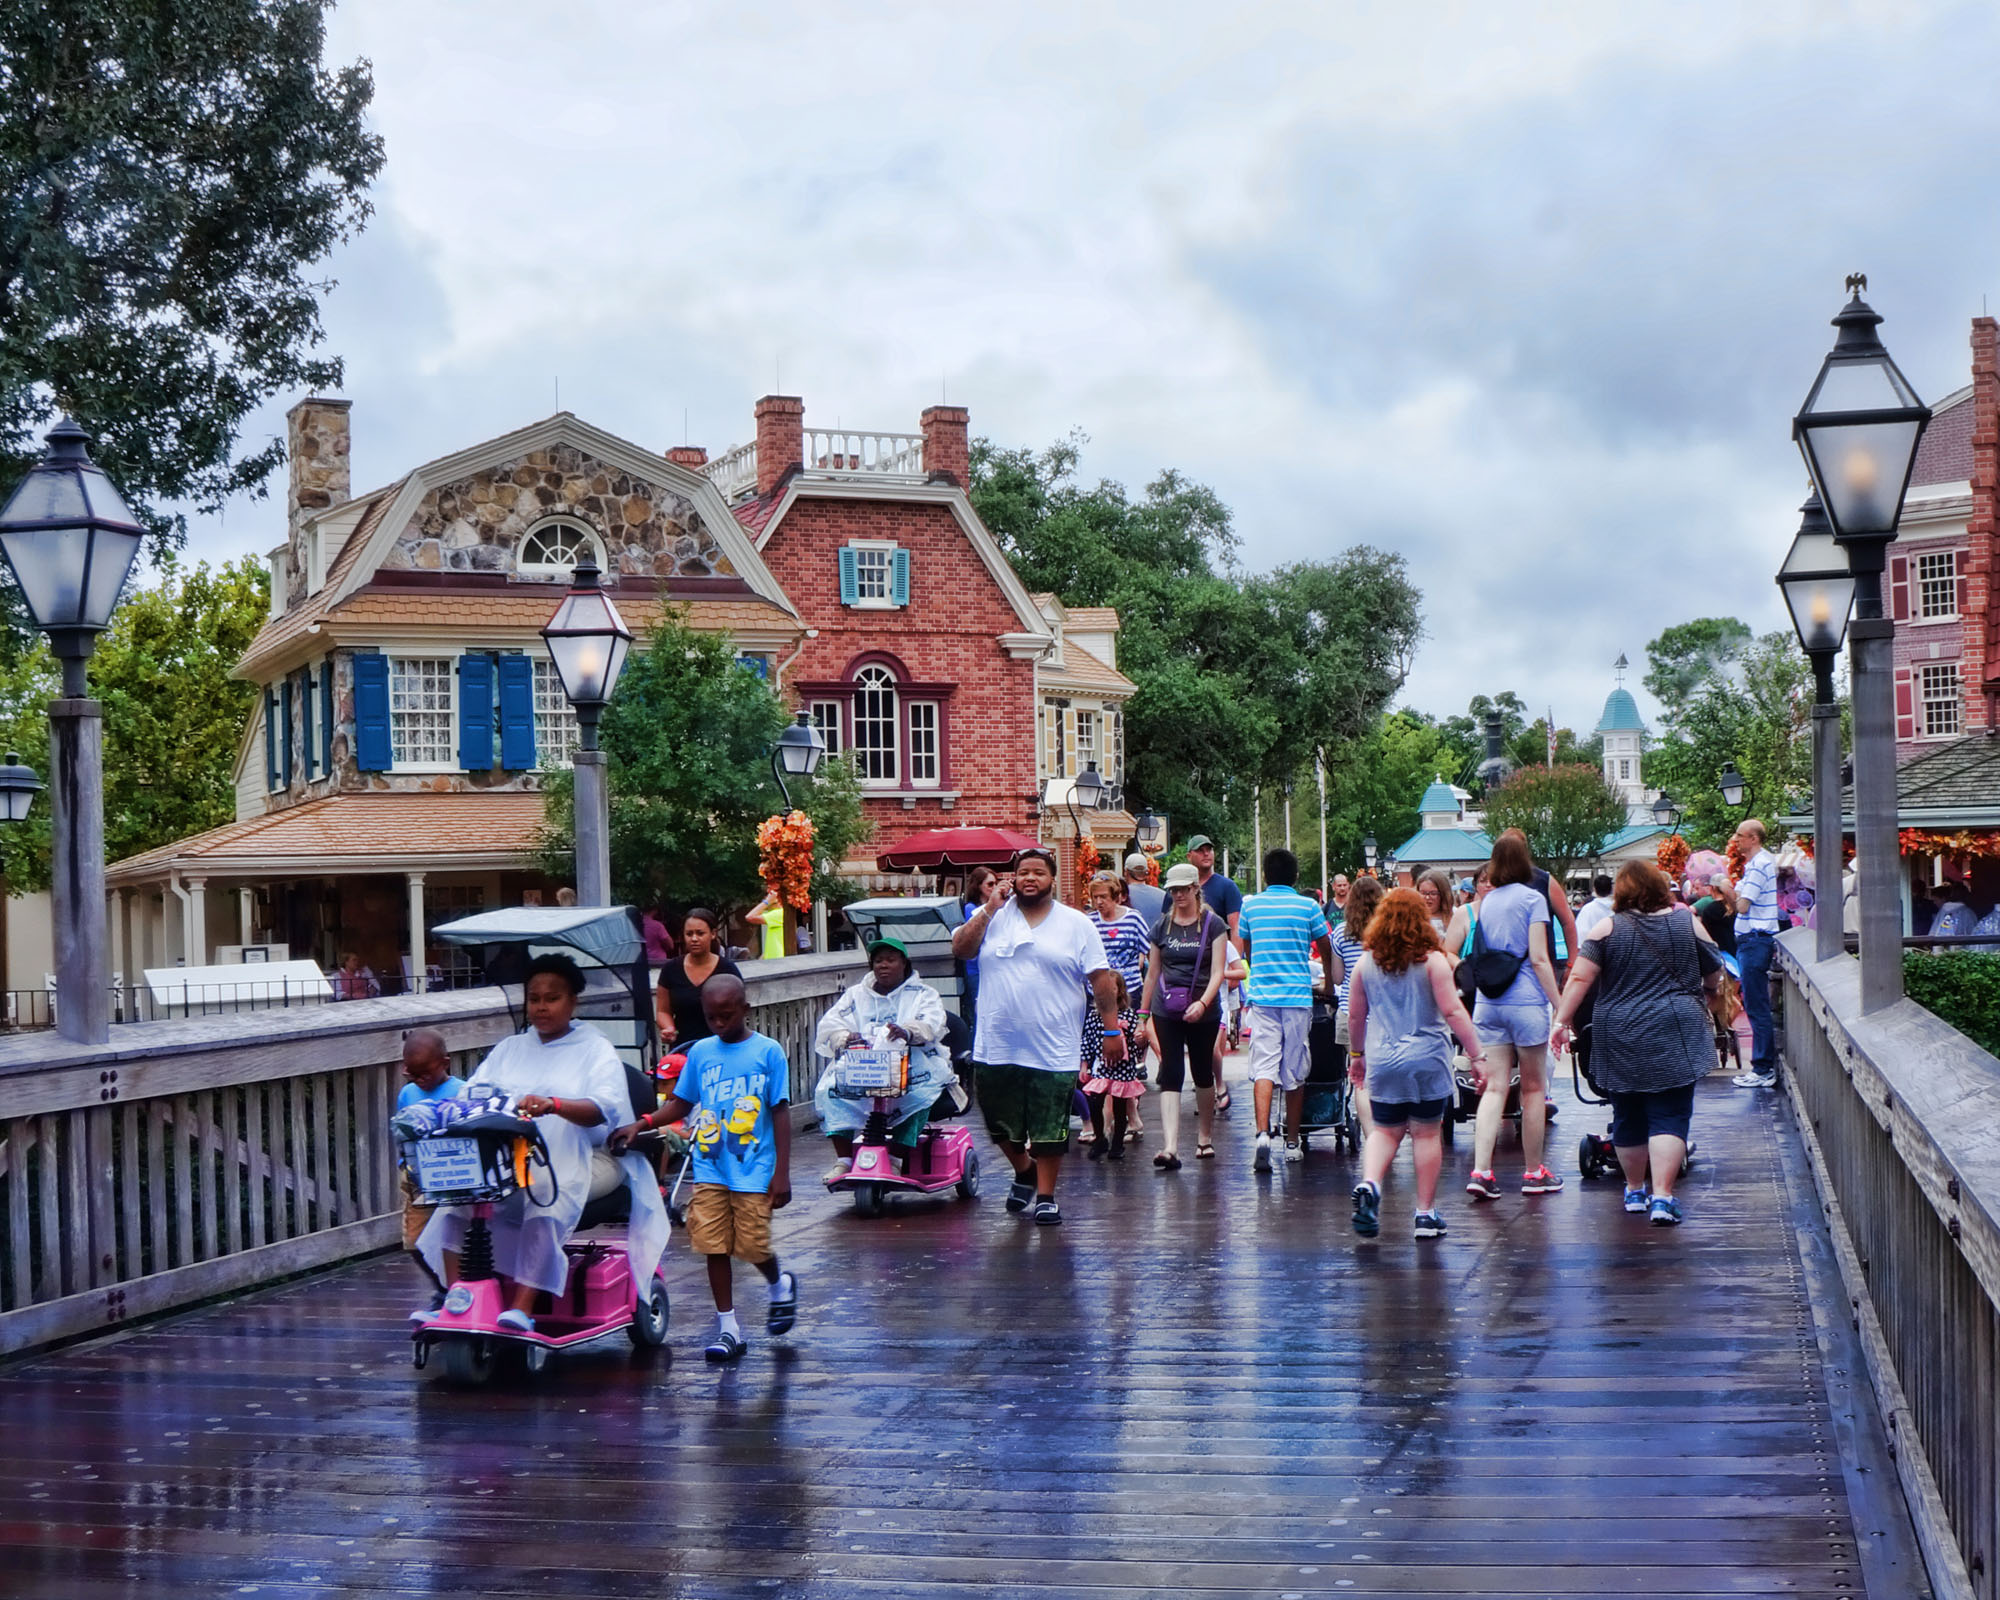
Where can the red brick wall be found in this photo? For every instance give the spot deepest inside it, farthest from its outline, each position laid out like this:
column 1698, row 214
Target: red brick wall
column 1982, row 604
column 947, row 634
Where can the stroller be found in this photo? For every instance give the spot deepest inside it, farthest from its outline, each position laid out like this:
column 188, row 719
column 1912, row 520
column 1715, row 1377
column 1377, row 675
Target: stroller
column 1596, row 1157
column 1329, row 1096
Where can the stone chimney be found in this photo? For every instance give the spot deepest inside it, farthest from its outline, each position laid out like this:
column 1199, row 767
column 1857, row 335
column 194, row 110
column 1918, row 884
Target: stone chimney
column 1982, row 605
column 692, row 456
column 781, row 440
column 316, row 441
column 947, row 449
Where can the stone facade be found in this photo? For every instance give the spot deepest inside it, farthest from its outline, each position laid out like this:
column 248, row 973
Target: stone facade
column 477, row 523
column 318, row 437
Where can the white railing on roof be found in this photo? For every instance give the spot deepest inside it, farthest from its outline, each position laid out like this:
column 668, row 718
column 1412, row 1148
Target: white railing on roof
column 734, row 472
column 886, row 454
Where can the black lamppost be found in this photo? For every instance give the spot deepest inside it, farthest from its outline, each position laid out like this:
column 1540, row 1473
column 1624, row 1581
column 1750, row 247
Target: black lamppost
column 18, row 788
column 1665, row 812
column 1858, row 432
column 588, row 642
column 1735, row 787
column 1368, row 852
column 1086, row 793
column 1151, row 832
column 798, row 753
column 1819, row 592
column 71, row 539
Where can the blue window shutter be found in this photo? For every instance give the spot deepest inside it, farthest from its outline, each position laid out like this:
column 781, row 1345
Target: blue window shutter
column 285, row 733
column 306, row 742
column 900, row 579
column 475, row 712
column 517, row 713
column 326, row 716
column 372, row 751
column 270, row 740
column 850, row 586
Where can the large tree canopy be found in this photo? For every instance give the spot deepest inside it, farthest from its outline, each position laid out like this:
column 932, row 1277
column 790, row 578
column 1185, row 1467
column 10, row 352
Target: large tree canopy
column 1567, row 813
column 169, row 169
column 1240, row 677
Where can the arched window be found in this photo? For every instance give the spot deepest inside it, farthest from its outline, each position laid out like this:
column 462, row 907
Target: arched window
column 552, row 549
column 875, row 726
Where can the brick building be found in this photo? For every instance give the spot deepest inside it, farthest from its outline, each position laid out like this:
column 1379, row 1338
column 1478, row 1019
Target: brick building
column 1940, row 588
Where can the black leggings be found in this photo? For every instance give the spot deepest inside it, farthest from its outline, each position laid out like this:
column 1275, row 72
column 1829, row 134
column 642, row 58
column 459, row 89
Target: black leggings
column 1192, row 1043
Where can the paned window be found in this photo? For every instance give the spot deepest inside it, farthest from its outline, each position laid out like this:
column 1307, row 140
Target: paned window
column 1937, row 585
column 1086, row 742
column 555, row 718
column 826, row 718
column 875, row 752
column 553, row 550
column 421, row 711
column 924, row 743
column 1939, row 684
column 871, row 572
column 1624, row 770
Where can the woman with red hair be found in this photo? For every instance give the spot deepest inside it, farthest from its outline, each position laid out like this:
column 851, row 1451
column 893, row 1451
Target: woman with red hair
column 1403, row 1010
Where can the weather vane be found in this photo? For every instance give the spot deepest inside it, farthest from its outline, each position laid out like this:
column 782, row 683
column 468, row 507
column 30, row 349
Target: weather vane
column 1857, row 282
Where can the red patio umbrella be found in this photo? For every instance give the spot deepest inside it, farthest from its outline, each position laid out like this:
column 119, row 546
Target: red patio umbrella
column 953, row 847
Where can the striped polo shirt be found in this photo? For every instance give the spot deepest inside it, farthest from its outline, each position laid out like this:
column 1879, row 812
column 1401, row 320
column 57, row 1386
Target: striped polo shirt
column 1281, row 925
column 1759, row 885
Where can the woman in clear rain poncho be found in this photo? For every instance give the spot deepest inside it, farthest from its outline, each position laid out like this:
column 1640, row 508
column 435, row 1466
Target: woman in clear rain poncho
column 891, row 1002
column 571, row 1082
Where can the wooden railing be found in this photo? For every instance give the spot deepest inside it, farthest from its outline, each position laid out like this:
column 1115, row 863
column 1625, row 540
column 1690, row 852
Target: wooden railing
column 1901, row 1119
column 192, row 1158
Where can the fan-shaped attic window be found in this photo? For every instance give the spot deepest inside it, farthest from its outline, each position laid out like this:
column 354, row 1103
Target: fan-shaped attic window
column 552, row 549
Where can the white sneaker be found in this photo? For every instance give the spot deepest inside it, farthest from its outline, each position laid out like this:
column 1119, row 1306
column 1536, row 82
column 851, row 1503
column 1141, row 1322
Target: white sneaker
column 1755, row 1080
column 841, row 1167
column 1294, row 1151
column 1261, row 1162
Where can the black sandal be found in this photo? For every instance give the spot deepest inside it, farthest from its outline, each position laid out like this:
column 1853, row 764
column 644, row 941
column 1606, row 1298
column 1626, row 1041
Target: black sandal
column 1204, row 1151
column 1222, row 1102
column 1167, row 1161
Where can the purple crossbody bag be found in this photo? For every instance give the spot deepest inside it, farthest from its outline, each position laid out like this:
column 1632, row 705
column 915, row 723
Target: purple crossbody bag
column 1175, row 998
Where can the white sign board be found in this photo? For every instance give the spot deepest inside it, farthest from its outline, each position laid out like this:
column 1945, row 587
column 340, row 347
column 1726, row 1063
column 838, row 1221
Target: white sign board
column 236, row 987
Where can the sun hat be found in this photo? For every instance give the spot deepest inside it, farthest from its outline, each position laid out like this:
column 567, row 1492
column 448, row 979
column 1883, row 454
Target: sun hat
column 1183, row 876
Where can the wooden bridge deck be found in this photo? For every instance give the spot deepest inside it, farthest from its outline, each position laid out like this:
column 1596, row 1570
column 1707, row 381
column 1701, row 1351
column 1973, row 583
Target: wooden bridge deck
column 1203, row 1384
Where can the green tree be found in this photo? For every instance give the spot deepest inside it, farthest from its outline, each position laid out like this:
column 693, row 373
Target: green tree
column 1567, row 813
column 170, row 170
column 1685, row 657
column 689, row 734
column 1375, row 788
column 173, row 716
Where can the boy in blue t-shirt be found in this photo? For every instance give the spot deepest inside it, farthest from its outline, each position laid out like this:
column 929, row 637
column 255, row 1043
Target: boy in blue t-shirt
column 427, row 1076
column 737, row 1084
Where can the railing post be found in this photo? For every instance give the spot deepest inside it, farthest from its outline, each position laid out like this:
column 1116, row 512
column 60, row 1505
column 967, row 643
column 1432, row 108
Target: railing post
column 1828, row 841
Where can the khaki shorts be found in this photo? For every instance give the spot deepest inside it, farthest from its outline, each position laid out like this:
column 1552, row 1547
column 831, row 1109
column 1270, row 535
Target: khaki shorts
column 723, row 1222
column 414, row 1215
column 1278, row 1052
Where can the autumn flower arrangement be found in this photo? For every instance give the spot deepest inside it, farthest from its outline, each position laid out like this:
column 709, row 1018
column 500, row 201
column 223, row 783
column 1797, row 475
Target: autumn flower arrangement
column 785, row 847
column 1672, row 854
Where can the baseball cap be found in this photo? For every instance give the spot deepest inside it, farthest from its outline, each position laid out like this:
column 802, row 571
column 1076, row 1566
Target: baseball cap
column 1201, row 841
column 1182, row 876
column 885, row 941
column 1135, row 862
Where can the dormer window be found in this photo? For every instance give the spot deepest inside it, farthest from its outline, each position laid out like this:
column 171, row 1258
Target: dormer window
column 552, row 549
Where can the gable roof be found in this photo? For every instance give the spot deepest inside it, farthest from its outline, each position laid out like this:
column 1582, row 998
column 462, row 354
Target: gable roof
column 1035, row 633
column 1082, row 673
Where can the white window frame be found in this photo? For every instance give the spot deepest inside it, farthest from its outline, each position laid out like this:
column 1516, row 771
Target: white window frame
column 1920, row 586
column 556, row 730
column 397, row 740
column 886, row 548
column 926, row 741
column 1625, row 769
column 878, row 679
column 1087, row 750
column 551, row 570
column 825, row 716
column 1929, row 672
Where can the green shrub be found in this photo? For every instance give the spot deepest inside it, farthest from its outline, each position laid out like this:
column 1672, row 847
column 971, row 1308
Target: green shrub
column 1962, row 987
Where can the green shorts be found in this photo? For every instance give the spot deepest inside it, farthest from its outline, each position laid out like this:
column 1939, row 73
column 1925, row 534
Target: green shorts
column 1024, row 1105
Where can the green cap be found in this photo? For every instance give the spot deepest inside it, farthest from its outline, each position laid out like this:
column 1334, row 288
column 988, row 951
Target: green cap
column 1201, row 841
column 883, row 941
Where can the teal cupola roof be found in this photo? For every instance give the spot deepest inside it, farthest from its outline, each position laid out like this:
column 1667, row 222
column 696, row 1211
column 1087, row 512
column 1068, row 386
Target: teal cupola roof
column 1621, row 714
column 1438, row 798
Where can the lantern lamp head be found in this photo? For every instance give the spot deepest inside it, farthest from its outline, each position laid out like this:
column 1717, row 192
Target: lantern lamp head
column 1859, row 427
column 1732, row 784
column 588, row 642
column 18, row 788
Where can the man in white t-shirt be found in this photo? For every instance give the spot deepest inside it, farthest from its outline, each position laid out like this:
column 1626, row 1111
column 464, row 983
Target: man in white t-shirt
column 1038, row 958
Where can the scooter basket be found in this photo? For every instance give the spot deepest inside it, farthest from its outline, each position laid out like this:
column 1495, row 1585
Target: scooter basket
column 881, row 1073
column 484, row 1157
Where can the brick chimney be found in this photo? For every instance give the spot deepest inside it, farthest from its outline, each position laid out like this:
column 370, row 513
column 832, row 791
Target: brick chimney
column 1982, row 603
column 316, row 441
column 692, row 456
column 781, row 439
column 947, row 449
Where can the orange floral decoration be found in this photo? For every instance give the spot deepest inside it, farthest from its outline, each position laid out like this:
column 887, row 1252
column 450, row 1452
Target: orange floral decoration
column 785, row 845
column 1672, row 853
column 1739, row 858
column 1088, row 863
column 1983, row 845
column 1846, row 845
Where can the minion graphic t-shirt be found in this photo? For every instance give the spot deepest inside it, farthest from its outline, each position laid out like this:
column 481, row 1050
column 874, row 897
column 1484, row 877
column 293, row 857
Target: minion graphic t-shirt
column 734, row 1088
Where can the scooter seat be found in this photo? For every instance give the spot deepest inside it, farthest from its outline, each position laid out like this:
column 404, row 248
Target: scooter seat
column 607, row 1209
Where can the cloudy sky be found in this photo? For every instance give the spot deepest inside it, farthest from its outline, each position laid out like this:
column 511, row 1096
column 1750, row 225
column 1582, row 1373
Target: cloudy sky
column 1526, row 293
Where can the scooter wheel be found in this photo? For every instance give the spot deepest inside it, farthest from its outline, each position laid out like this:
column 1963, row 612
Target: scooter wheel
column 868, row 1199
column 466, row 1361
column 649, row 1319
column 968, row 1183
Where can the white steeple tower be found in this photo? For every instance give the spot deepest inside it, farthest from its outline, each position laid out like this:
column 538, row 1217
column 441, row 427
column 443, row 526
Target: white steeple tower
column 1624, row 737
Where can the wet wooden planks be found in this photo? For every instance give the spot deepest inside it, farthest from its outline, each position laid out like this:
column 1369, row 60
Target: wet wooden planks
column 1203, row 1384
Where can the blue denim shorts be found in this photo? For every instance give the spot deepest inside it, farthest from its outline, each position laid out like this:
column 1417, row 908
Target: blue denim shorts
column 1511, row 1025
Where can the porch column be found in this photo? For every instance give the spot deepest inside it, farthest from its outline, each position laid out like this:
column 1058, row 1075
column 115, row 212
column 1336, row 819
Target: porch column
column 196, row 942
column 121, row 951
column 416, row 932
column 246, row 915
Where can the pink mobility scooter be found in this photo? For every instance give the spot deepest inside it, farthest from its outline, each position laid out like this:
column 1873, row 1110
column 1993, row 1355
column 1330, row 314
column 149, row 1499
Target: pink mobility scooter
column 480, row 1161
column 942, row 1158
